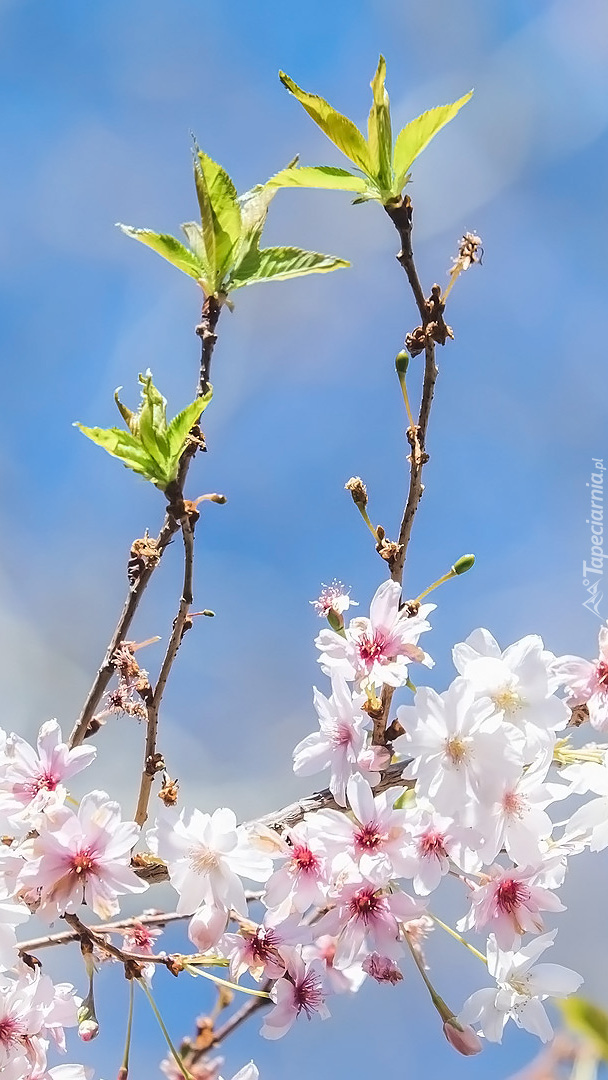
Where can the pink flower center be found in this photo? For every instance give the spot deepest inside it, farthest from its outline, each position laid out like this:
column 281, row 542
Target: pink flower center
column 368, row 838
column 431, row 845
column 308, row 994
column 83, row 862
column 601, row 674
column 304, row 860
column 510, row 894
column 263, row 944
column 513, row 804
column 10, row 1031
column 372, row 649
column 342, row 735
column 365, row 904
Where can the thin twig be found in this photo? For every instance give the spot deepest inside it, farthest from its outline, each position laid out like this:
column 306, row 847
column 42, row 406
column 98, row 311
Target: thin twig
column 206, row 331
column 247, row 1009
column 151, row 758
column 154, row 918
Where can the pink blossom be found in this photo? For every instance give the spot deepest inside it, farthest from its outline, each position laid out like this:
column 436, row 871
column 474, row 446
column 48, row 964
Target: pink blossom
column 366, row 919
column 340, row 740
column 82, row 858
column 335, row 597
column 31, row 781
column 586, row 682
column 264, row 951
column 300, row 991
column 373, row 841
column 433, row 843
column 382, row 969
column 379, row 649
column 344, row 980
column 303, row 879
column 509, row 903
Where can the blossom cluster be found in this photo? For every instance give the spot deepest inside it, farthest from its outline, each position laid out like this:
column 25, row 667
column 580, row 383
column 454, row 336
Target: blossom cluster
column 346, row 890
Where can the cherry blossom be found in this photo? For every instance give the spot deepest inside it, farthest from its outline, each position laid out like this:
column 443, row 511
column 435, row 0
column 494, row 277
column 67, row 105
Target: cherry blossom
column 81, row 858
column 382, row 969
column 340, row 740
column 433, row 843
column 520, row 682
column 207, row 857
column 345, row 980
column 366, row 919
column 522, row 986
column 300, row 991
column 586, row 682
column 303, row 878
column 334, row 598
column 373, row 841
column 510, row 902
column 31, row 781
column 379, row 649
column 458, row 746
column 517, row 820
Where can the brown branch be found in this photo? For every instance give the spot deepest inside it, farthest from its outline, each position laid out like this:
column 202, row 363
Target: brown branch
column 206, row 331
column 152, row 761
column 156, row 918
column 150, row 869
column 247, row 1009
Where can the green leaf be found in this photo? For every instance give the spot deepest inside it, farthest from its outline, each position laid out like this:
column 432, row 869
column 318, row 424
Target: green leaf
column 180, row 427
column 151, row 447
column 588, row 1020
column 123, row 445
column 281, row 263
column 380, row 136
column 220, row 213
column 169, row 248
column 319, row 176
column 416, row 136
column 337, row 127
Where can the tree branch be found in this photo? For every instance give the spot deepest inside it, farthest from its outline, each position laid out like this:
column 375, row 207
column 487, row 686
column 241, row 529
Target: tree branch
column 150, row 869
column 152, row 761
column 206, row 331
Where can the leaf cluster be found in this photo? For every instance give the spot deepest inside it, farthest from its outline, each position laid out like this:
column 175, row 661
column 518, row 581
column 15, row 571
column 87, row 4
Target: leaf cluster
column 150, row 446
column 223, row 250
column 382, row 167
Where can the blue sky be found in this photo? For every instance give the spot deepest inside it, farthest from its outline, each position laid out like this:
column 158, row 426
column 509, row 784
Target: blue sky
column 99, row 103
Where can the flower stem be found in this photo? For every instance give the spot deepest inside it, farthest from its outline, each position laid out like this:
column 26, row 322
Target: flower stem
column 458, row 937
column 225, row 982
column 125, row 1061
column 178, row 1061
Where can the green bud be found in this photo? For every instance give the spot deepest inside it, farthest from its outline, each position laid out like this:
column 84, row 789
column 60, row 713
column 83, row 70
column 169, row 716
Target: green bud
column 402, row 361
column 335, row 620
column 210, row 614
column 463, row 564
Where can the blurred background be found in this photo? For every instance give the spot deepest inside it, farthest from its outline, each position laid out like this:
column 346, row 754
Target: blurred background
column 100, row 101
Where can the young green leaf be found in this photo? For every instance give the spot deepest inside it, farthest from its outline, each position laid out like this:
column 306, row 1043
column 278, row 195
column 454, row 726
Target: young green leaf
column 380, row 136
column 337, row 127
column 151, row 447
column 416, row 136
column 319, row 176
column 281, row 263
column 169, row 248
column 220, row 213
column 126, row 447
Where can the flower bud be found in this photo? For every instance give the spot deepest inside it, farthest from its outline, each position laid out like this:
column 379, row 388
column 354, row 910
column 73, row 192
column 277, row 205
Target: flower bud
column 335, row 620
column 463, row 1039
column 402, row 361
column 358, row 491
column 88, row 1030
column 464, row 563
